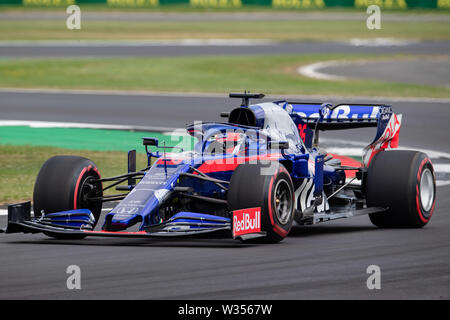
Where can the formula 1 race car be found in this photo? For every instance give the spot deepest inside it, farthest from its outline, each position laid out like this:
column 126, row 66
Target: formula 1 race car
column 248, row 178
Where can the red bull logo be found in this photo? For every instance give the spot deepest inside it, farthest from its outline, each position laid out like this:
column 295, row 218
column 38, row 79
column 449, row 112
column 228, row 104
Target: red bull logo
column 246, row 221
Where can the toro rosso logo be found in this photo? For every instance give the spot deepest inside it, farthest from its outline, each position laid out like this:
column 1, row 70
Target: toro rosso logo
column 246, row 221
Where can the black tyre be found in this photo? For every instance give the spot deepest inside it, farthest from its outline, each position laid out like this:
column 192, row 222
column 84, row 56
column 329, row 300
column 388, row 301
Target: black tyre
column 64, row 183
column 273, row 191
column 405, row 182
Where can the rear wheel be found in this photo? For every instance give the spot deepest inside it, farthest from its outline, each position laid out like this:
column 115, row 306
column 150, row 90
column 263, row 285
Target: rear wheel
column 404, row 181
column 66, row 183
column 271, row 189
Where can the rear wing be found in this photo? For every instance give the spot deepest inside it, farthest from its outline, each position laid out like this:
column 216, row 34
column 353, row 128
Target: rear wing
column 341, row 116
column 309, row 116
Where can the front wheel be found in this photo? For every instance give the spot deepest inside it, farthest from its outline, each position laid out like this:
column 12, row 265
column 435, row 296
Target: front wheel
column 403, row 181
column 271, row 189
column 66, row 183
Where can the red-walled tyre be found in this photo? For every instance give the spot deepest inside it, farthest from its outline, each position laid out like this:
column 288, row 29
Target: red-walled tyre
column 64, row 183
column 254, row 185
column 405, row 182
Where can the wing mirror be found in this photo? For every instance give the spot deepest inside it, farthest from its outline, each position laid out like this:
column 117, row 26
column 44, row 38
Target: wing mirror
column 150, row 141
column 282, row 145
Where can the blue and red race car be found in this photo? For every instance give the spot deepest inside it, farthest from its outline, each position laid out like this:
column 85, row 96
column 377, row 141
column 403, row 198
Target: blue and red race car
column 250, row 178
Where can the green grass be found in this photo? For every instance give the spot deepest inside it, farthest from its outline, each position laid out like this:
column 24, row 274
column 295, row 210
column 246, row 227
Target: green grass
column 23, row 150
column 20, row 166
column 283, row 30
column 270, row 74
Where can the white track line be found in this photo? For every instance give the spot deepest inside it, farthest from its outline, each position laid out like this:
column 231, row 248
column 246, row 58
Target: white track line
column 355, row 150
column 52, row 124
column 380, row 42
column 4, row 212
column 312, row 70
column 349, row 151
column 114, row 92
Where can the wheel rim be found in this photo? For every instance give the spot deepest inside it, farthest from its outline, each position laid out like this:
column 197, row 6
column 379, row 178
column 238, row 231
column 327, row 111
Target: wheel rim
column 89, row 189
column 426, row 189
column 283, row 201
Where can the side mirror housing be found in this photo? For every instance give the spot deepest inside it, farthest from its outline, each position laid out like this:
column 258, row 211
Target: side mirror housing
column 282, row 145
column 150, row 141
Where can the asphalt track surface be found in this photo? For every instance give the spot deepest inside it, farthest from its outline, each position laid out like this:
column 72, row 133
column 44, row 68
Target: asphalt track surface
column 55, row 49
column 326, row 261
column 431, row 71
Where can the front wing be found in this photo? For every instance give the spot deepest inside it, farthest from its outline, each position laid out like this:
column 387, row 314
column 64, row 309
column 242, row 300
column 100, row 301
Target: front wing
column 78, row 223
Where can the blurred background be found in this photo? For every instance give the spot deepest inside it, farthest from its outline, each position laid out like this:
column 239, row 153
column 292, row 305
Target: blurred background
column 92, row 80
